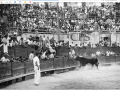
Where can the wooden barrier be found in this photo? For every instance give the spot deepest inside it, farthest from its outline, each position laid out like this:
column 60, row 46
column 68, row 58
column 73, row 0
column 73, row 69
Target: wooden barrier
column 110, row 59
column 20, row 51
column 72, row 62
column 117, row 58
column 59, row 63
column 62, row 50
column 29, row 68
column 101, row 59
column 117, row 50
column 5, row 70
column 18, row 68
column 66, row 62
column 47, row 65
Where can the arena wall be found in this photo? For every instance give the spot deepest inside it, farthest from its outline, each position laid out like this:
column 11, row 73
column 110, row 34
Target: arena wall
column 27, row 35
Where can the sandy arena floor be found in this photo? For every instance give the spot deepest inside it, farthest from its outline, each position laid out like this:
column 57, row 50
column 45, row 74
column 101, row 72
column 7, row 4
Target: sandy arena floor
column 107, row 77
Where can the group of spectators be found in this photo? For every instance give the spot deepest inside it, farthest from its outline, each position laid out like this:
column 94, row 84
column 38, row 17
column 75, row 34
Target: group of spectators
column 45, row 17
column 74, row 19
column 73, row 53
column 91, row 45
column 43, row 44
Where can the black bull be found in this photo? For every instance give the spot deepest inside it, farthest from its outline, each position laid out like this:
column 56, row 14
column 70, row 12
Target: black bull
column 84, row 61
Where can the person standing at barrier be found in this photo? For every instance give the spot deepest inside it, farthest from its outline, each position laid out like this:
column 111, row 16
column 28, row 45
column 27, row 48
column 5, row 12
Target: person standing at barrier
column 37, row 74
column 31, row 56
column 41, row 41
column 44, row 41
column 47, row 42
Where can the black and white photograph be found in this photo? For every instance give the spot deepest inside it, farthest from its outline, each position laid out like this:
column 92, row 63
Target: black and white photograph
column 60, row 46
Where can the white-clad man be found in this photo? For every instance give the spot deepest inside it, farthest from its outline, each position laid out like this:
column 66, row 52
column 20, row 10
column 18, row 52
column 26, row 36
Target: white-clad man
column 44, row 41
column 37, row 74
column 31, row 56
column 5, row 47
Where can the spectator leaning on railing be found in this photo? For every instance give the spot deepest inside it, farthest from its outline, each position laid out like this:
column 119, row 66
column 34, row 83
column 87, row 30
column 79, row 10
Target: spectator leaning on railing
column 5, row 58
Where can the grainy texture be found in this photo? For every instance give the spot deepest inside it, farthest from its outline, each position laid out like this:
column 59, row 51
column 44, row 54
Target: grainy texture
column 107, row 77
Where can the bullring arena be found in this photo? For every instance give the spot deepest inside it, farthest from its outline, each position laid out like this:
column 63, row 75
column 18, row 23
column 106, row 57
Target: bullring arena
column 58, row 32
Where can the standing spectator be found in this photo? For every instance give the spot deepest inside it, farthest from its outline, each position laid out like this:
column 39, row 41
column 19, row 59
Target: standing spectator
column 40, row 41
column 52, row 41
column 44, row 41
column 28, row 41
column 5, row 47
column 72, row 45
column 31, row 56
column 36, row 63
column 47, row 42
column 0, row 45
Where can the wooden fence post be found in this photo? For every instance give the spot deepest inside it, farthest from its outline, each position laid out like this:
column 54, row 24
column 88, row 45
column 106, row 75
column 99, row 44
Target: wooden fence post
column 11, row 69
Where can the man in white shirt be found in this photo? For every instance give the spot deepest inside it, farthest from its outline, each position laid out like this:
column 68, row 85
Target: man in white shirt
column 36, row 63
column 5, row 47
column 98, row 53
column 31, row 56
column 44, row 41
column 29, row 42
column 72, row 53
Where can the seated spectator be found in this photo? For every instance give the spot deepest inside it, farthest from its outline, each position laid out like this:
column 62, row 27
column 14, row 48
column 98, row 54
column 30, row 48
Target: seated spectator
column 85, row 44
column 29, row 42
column 14, row 43
column 31, row 56
column 25, row 44
column 108, row 53
column 76, row 45
column 43, row 56
column 89, row 44
column 98, row 53
column 60, row 43
column 112, row 53
column 72, row 44
column 93, row 55
column 21, row 41
column 52, row 50
column 5, row 59
column 51, row 56
column 10, row 43
column 72, row 53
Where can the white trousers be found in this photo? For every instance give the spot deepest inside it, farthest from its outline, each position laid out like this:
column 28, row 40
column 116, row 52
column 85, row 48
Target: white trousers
column 37, row 75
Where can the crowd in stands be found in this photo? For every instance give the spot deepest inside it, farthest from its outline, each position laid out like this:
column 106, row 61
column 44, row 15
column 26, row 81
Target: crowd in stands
column 44, row 17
